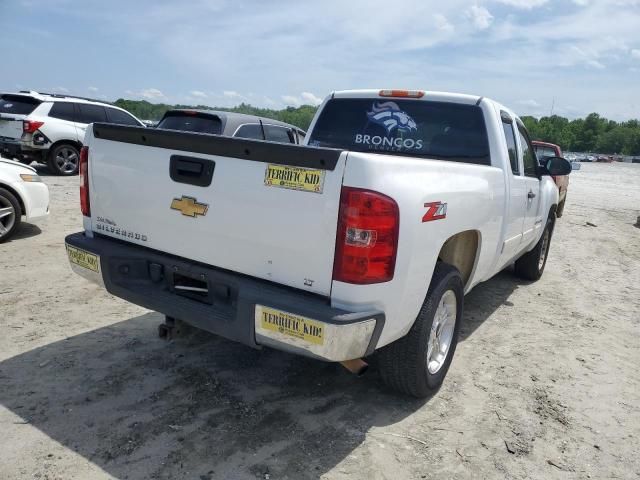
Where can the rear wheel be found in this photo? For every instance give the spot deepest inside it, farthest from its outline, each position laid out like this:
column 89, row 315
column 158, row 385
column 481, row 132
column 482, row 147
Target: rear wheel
column 10, row 214
column 531, row 265
column 417, row 363
column 64, row 159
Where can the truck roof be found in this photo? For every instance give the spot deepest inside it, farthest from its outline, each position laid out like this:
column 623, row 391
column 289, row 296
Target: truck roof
column 428, row 95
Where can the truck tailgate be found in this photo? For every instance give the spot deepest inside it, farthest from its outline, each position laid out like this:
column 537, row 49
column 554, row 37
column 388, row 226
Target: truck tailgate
column 242, row 205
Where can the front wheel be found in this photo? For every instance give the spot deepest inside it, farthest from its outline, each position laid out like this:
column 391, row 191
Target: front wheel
column 531, row 265
column 417, row 363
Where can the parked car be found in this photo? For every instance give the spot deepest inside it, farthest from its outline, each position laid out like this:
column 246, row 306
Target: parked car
column 231, row 124
column 49, row 128
column 365, row 243
column 22, row 194
column 545, row 150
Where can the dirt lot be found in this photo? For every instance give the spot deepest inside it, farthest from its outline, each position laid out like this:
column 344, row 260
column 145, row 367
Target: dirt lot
column 545, row 383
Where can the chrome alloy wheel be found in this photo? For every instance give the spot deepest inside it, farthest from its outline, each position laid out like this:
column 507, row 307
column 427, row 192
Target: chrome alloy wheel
column 66, row 160
column 7, row 216
column 441, row 335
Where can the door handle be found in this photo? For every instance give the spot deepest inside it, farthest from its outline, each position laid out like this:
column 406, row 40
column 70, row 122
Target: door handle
column 531, row 195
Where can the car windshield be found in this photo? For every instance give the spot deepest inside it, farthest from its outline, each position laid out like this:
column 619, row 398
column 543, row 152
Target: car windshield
column 435, row 130
column 192, row 122
column 18, row 104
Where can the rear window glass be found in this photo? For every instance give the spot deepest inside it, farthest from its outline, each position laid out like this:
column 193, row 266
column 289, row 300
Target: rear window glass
column 543, row 152
column 439, row 130
column 18, row 104
column 188, row 122
column 63, row 111
column 121, row 118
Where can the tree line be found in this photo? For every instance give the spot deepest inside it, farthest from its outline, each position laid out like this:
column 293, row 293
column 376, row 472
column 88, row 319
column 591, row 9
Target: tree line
column 591, row 134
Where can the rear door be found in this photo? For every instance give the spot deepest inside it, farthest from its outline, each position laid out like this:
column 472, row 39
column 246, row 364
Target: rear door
column 533, row 219
column 263, row 209
column 65, row 113
column 13, row 110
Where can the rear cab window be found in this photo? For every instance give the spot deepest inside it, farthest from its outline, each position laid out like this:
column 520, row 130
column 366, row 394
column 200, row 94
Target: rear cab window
column 18, row 104
column 191, row 122
column 417, row 128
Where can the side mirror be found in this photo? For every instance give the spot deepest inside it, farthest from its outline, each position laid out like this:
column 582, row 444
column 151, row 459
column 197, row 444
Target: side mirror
column 557, row 166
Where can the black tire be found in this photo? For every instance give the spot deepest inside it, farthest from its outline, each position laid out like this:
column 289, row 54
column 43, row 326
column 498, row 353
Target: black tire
column 64, row 159
column 531, row 265
column 403, row 363
column 10, row 215
column 560, row 210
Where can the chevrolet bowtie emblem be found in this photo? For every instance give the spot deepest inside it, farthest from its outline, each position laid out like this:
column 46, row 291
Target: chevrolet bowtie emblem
column 189, row 206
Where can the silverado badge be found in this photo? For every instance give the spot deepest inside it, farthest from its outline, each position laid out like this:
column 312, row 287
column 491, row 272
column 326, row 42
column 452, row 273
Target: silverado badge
column 189, row 206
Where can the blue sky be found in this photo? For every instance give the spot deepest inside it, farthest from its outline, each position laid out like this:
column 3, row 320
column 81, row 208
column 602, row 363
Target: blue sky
column 585, row 54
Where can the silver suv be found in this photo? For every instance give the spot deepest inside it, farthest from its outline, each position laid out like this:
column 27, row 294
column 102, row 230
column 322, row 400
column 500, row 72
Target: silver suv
column 49, row 128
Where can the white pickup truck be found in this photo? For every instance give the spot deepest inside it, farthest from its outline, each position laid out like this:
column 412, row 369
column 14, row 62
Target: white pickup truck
column 363, row 241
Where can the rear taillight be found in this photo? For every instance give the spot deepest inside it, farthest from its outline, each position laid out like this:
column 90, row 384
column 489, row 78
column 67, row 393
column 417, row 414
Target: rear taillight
column 85, row 207
column 30, row 126
column 367, row 238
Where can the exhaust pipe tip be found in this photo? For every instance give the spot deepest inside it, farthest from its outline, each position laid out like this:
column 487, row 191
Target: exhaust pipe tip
column 356, row 366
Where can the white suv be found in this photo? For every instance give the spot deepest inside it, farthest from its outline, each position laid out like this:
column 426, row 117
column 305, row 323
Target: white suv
column 49, row 128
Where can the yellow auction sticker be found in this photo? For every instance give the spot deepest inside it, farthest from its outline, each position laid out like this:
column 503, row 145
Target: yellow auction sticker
column 291, row 325
column 294, row 178
column 82, row 258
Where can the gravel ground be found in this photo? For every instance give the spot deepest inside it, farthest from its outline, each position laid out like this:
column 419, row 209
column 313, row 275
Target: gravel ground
column 545, row 383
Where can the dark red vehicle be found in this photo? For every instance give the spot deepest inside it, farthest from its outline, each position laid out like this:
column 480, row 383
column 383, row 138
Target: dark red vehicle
column 544, row 150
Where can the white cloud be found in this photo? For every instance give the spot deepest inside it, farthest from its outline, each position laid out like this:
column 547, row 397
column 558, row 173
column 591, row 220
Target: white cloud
column 92, row 89
column 305, row 98
column 480, row 17
column 310, row 99
column 524, row 4
column 198, row 94
column 635, row 53
column 581, row 3
column 231, row 94
column 290, row 100
column 152, row 94
column 529, row 103
column 442, row 23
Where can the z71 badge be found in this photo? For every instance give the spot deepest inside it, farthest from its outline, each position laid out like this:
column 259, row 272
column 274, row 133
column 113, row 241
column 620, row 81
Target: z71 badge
column 436, row 211
column 294, row 178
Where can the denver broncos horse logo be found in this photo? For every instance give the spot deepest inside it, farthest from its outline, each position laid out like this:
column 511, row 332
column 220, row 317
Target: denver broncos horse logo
column 389, row 115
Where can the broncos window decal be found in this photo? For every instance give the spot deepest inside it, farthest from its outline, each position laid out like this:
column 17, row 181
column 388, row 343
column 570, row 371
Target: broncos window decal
column 391, row 117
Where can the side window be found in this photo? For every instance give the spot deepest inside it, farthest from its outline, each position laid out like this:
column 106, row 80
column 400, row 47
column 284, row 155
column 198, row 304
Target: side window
column 301, row 137
column 510, row 137
column 278, row 134
column 63, row 111
column 120, row 117
column 90, row 113
column 528, row 156
column 250, row 130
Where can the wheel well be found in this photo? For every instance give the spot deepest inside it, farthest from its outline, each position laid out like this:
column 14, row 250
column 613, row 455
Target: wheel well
column 78, row 145
column 461, row 251
column 17, row 195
